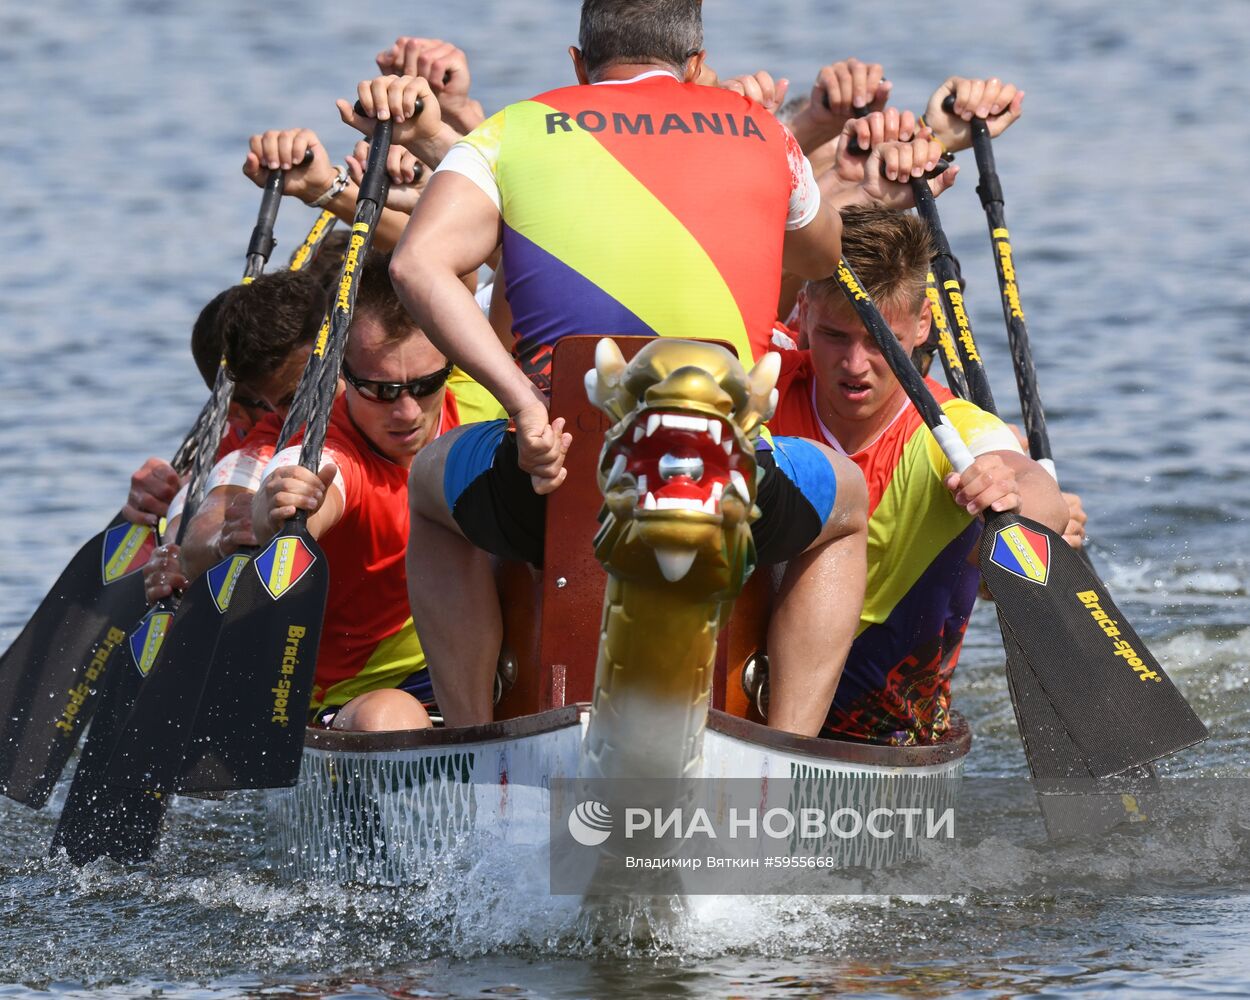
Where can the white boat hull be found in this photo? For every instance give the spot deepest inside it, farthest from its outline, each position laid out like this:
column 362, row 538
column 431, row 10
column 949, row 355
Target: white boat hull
column 379, row 808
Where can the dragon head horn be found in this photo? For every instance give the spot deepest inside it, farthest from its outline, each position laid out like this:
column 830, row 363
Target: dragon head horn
column 603, row 382
column 762, row 383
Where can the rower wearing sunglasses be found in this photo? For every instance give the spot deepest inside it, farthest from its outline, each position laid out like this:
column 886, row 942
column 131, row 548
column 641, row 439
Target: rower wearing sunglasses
column 370, row 667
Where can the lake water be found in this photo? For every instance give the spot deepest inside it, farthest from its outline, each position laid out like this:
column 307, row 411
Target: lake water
column 124, row 211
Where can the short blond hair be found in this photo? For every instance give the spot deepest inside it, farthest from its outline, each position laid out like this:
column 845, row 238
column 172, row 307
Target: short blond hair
column 889, row 252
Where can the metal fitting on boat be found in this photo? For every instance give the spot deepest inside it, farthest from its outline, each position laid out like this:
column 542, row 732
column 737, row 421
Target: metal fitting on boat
column 505, row 673
column 755, row 682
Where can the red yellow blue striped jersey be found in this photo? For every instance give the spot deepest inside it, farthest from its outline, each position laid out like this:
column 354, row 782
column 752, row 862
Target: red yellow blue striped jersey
column 921, row 584
column 367, row 638
column 647, row 207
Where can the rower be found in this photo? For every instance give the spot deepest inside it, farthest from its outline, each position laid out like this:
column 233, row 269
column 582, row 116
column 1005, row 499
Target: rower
column 267, row 327
column 639, row 141
column 923, row 523
column 370, row 665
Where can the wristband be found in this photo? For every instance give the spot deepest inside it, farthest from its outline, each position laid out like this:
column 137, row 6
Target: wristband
column 334, row 190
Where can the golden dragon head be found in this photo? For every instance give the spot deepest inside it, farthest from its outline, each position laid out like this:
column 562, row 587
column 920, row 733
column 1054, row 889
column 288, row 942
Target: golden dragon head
column 677, row 468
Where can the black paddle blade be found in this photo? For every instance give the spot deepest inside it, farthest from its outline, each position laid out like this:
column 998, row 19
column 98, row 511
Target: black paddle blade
column 249, row 730
column 154, row 738
column 1108, row 691
column 1073, row 802
column 99, row 820
column 51, row 677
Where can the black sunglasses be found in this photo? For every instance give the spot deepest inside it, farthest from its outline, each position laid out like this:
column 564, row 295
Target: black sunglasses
column 388, row 392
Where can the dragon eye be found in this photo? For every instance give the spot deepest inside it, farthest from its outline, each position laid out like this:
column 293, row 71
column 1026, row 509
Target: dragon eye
column 672, row 466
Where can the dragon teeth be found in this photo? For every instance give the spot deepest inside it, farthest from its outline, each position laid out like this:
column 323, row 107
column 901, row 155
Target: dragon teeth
column 739, row 484
column 653, row 424
column 642, row 484
column 639, row 433
column 728, row 445
column 711, row 505
column 714, row 428
column 675, row 563
column 718, row 490
column 682, row 423
column 678, row 503
column 649, row 502
column 618, row 470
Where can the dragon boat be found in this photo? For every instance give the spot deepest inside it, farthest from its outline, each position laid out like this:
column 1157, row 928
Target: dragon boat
column 641, row 656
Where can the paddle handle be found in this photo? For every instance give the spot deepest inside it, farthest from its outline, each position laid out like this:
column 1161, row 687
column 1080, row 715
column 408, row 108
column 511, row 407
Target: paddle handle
column 939, row 424
column 261, row 245
column 376, row 181
column 988, row 188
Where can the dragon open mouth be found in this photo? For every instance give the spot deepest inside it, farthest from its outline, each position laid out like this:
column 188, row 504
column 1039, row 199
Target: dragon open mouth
column 678, row 462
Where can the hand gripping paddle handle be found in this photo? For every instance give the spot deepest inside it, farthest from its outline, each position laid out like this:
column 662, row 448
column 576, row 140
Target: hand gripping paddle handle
column 374, row 184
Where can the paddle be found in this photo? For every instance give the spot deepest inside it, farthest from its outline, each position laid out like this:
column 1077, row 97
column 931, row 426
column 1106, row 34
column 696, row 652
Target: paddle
column 249, row 727
column 1053, row 758
column 151, row 744
column 1049, row 750
column 100, row 819
column 1052, row 753
column 1108, row 691
column 51, row 676
column 150, row 748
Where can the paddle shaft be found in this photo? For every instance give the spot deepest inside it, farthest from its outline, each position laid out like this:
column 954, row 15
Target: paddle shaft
column 332, row 338
column 946, row 273
column 991, row 194
column 261, row 245
column 952, row 366
column 307, row 251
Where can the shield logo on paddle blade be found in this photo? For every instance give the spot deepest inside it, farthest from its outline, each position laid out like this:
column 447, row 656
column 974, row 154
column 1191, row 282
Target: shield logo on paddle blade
column 223, row 577
column 1022, row 551
column 126, row 548
column 146, row 640
column 282, row 564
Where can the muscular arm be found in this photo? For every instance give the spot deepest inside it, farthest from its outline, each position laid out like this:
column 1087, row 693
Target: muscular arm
column 500, row 311
column 454, row 229
column 813, row 252
column 200, row 546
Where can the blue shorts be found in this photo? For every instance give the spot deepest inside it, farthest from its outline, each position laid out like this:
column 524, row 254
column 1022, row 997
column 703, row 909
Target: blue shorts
column 496, row 507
